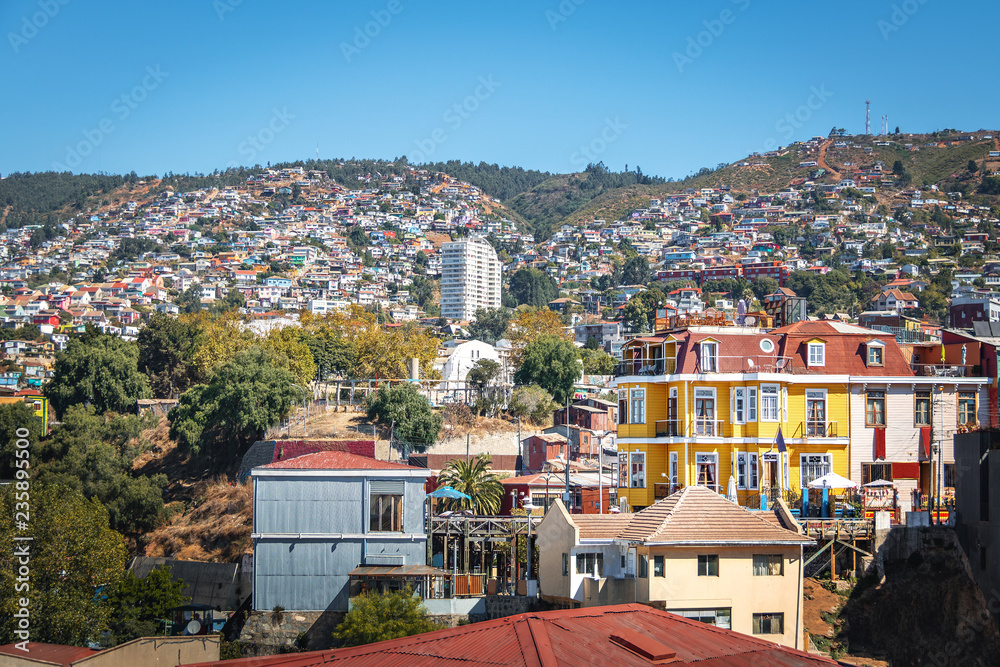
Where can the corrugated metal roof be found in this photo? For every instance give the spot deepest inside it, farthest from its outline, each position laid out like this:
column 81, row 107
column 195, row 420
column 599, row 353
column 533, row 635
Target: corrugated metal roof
column 395, row 571
column 336, row 461
column 567, row 637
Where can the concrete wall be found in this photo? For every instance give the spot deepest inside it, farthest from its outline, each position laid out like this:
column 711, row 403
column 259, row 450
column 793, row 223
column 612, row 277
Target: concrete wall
column 736, row 587
column 152, row 651
column 490, row 443
column 977, row 472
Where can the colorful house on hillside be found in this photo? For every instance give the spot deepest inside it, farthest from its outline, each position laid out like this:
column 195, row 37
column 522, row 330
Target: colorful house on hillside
column 777, row 409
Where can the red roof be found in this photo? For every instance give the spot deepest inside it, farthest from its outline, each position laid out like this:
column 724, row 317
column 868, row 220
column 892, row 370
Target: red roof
column 629, row 635
column 55, row 654
column 336, row 461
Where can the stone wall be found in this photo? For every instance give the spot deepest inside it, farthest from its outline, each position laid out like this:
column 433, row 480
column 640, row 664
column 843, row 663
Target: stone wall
column 265, row 632
column 504, row 442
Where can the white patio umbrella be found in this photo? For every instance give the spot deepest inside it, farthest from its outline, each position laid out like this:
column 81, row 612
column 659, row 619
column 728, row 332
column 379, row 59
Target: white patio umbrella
column 731, row 491
column 832, row 480
column 877, row 483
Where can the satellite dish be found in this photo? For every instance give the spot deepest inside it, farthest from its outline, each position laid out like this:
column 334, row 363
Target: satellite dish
column 750, row 320
column 193, row 628
column 750, row 363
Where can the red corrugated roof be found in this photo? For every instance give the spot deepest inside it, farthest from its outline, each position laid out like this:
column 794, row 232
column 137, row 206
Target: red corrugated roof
column 56, row 654
column 336, row 461
column 565, row 637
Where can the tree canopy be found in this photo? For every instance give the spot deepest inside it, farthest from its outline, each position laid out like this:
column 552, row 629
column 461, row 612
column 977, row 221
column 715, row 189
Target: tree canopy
column 490, row 324
column 98, row 369
column 474, row 478
column 552, row 363
column 243, row 398
column 377, row 617
column 166, row 354
column 415, row 424
column 532, row 287
column 74, row 555
column 138, row 605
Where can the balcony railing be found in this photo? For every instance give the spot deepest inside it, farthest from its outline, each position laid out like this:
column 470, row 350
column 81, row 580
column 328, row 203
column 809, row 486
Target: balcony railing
column 645, row 367
column 669, row 428
column 751, row 364
column 945, row 370
column 706, row 426
column 816, row 429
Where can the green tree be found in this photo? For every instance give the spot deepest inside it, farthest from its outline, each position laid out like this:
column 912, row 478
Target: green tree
column 74, row 555
column 190, row 299
column 973, row 167
column 474, row 478
column 550, row 362
column 138, row 606
column 242, row 399
column 482, row 374
column 166, row 354
column 415, row 423
column 762, row 286
column 490, row 324
column 98, row 369
column 532, row 287
column 14, row 416
column 95, row 455
column 234, row 300
column 897, row 168
column 533, row 403
column 597, row 362
column 377, row 617
column 636, row 271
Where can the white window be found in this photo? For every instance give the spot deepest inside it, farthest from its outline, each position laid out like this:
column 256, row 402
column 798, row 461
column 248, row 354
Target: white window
column 623, row 406
column 746, row 470
column 637, row 478
column 814, row 466
column 816, row 425
column 770, row 402
column 817, row 354
column 623, row 470
column 876, row 353
column 709, row 357
column 708, row 470
column 704, row 412
column 637, row 407
column 739, row 405
column 674, row 478
column 751, row 404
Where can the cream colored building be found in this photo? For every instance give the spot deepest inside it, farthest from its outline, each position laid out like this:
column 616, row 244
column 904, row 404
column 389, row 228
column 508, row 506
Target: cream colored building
column 470, row 278
column 694, row 553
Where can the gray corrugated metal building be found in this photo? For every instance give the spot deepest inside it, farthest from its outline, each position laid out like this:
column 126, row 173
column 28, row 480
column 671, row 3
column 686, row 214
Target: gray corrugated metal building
column 319, row 516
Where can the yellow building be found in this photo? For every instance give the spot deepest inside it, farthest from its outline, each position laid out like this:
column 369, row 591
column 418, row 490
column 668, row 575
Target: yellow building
column 698, row 405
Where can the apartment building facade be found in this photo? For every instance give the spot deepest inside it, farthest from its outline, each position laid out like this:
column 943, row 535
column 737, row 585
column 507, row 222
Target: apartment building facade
column 470, row 278
column 700, row 404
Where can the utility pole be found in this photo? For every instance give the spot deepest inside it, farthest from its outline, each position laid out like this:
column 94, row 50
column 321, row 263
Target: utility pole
column 566, row 492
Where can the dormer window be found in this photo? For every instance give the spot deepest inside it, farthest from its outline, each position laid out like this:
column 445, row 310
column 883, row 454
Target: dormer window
column 817, row 354
column 876, row 353
column 709, row 357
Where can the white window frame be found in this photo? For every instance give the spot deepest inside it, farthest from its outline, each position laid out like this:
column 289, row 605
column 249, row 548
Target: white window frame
column 766, row 393
column 817, row 354
column 633, row 477
column 700, row 458
column 815, row 395
column 623, row 416
column 674, row 470
column 872, row 345
column 751, row 404
column 708, row 356
column 707, row 393
column 739, row 405
column 804, row 462
column 747, row 477
column 637, row 399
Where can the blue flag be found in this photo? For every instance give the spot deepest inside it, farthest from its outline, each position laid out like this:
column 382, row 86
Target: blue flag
column 781, row 442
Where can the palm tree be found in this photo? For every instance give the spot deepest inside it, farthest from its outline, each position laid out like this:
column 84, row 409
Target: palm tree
column 473, row 478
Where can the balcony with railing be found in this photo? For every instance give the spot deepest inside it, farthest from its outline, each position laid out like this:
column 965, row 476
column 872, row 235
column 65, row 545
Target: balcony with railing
column 645, row 367
column 669, row 428
column 706, row 427
column 813, row 428
column 946, row 370
column 751, row 364
column 908, row 335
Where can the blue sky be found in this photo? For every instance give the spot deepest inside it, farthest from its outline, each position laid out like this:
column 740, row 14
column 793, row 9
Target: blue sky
column 670, row 87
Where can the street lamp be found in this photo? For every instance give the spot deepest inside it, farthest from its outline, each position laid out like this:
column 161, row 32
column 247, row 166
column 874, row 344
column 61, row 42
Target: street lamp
column 528, row 506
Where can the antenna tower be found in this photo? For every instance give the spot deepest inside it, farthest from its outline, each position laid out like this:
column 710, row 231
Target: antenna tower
column 868, row 116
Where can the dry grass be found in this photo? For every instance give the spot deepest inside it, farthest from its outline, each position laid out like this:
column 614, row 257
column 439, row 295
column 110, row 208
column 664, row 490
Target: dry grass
column 214, row 527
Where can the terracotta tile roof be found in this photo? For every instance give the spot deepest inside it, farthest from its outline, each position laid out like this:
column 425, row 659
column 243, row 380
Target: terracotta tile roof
column 846, row 349
column 49, row 654
column 336, row 461
column 628, row 635
column 698, row 514
column 601, row 526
